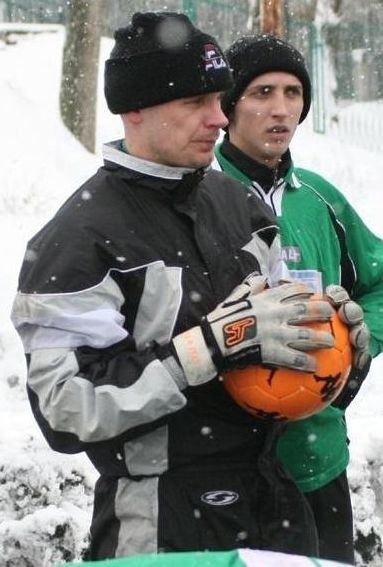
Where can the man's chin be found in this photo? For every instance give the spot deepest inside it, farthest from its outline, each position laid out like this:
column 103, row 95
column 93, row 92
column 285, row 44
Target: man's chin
column 194, row 161
column 274, row 155
column 203, row 160
column 277, row 149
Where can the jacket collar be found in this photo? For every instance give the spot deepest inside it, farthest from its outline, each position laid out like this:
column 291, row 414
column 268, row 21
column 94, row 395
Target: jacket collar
column 113, row 152
column 177, row 183
column 248, row 170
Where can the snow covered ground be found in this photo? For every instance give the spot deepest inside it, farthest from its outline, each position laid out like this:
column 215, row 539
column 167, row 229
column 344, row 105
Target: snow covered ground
column 45, row 498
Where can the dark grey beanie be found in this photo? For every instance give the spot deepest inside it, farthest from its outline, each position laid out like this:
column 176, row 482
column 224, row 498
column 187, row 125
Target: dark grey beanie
column 251, row 56
column 160, row 57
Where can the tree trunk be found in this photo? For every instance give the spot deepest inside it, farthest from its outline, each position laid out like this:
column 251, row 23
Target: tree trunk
column 271, row 17
column 78, row 95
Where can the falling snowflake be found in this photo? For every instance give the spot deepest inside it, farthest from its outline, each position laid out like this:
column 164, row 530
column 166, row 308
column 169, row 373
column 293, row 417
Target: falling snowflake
column 195, row 296
column 86, row 195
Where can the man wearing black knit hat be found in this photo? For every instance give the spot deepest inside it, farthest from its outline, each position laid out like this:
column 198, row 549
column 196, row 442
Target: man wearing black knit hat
column 139, row 294
column 324, row 243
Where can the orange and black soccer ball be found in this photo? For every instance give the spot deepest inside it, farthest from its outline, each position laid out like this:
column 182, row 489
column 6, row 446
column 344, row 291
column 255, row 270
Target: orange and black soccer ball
column 285, row 394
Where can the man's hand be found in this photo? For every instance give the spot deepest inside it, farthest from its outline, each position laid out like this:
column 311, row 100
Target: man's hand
column 255, row 326
column 352, row 314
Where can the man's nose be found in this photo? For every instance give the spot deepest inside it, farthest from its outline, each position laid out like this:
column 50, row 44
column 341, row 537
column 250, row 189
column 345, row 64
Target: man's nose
column 279, row 105
column 216, row 117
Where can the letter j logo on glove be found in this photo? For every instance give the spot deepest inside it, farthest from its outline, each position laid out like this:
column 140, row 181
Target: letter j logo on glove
column 238, row 331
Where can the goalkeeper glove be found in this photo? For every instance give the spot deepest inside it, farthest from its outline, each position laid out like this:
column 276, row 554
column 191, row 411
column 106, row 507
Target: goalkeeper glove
column 255, row 328
column 352, row 314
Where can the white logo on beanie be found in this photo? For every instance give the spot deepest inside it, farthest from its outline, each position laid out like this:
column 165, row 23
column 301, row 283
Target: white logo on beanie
column 213, row 59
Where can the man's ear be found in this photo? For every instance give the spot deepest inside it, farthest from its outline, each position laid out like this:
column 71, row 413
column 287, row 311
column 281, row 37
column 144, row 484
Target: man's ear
column 132, row 117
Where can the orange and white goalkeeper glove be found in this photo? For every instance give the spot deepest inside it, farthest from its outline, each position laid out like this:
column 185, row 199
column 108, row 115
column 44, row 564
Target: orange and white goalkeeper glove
column 255, row 325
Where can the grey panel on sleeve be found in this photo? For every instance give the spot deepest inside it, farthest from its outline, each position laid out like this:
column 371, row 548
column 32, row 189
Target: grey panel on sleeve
column 88, row 317
column 159, row 305
column 72, row 404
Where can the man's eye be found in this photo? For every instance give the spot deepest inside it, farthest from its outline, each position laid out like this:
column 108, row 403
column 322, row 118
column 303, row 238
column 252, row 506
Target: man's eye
column 294, row 91
column 257, row 93
column 194, row 100
column 263, row 91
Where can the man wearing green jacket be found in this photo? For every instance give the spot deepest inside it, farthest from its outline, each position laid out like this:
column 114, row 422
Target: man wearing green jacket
column 324, row 242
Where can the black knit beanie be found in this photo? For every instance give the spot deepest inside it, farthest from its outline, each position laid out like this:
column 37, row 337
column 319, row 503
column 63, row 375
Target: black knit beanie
column 160, row 57
column 251, row 56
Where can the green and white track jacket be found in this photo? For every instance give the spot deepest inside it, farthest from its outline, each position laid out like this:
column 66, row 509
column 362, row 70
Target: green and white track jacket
column 324, row 241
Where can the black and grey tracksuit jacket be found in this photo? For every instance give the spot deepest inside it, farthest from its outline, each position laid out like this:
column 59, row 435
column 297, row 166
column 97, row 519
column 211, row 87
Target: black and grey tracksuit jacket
column 137, row 255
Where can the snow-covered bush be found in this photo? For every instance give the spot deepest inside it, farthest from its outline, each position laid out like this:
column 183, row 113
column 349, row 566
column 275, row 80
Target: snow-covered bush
column 367, row 497
column 45, row 502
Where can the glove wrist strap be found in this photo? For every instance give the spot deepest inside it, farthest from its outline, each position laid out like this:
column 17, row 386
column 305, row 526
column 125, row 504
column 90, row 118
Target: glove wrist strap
column 212, row 345
column 194, row 356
